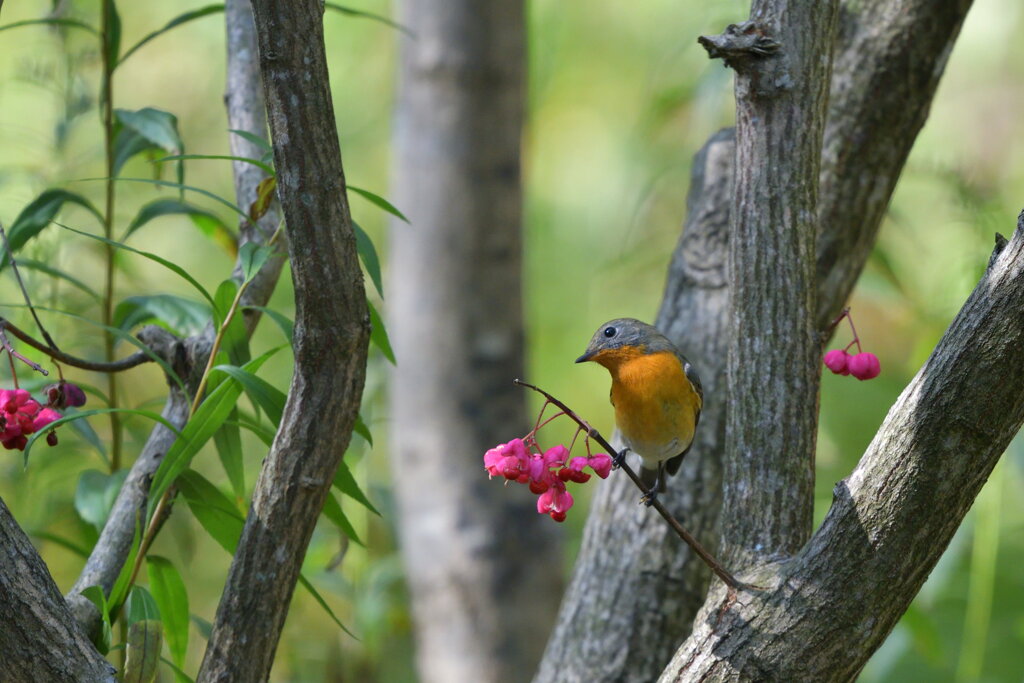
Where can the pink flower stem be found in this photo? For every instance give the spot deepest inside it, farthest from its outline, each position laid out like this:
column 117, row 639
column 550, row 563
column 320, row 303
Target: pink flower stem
column 707, row 557
column 553, row 417
column 856, row 339
column 12, row 354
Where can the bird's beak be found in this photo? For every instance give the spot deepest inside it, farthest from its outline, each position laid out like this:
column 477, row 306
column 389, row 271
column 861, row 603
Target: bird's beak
column 585, row 357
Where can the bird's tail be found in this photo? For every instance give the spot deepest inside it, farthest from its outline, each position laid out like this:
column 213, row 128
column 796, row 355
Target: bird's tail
column 650, row 478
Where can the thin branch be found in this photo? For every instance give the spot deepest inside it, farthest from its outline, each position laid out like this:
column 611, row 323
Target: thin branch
column 24, row 291
column 126, row 363
column 707, row 557
column 12, row 353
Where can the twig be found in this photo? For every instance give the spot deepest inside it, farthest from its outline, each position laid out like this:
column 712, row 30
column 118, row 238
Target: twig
column 707, row 557
column 24, row 292
column 14, row 354
column 116, row 366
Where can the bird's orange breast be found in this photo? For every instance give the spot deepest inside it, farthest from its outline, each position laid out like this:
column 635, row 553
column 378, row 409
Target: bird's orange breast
column 656, row 406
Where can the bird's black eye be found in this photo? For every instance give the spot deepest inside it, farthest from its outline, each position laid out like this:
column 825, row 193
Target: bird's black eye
column 610, row 332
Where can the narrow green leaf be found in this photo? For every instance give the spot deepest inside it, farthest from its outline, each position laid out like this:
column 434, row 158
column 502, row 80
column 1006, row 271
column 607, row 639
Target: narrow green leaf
column 282, row 321
column 65, row 543
column 333, row 512
column 323, row 603
column 141, row 606
column 254, row 139
column 235, row 340
column 262, row 432
column 346, row 483
column 228, row 441
column 362, row 430
column 173, row 267
column 88, row 434
column 145, row 639
column 265, row 395
column 113, row 34
column 95, row 494
column 269, row 170
column 182, row 316
column 78, row 415
column 379, row 202
column 120, row 589
column 368, row 253
column 155, row 125
column 379, row 334
column 252, row 257
column 204, row 627
column 341, row 9
column 172, row 598
column 213, row 510
column 95, row 595
column 38, row 214
column 57, row 273
column 179, row 186
column 176, row 21
column 179, row 675
column 212, row 413
column 53, row 21
column 167, row 207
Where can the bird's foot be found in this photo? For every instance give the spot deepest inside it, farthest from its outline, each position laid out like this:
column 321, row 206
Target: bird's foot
column 619, row 458
column 649, row 497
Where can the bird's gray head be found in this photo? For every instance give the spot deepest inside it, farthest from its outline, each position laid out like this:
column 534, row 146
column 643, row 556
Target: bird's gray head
column 622, row 338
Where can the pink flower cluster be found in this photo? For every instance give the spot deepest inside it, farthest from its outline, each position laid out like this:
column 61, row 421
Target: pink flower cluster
column 546, row 473
column 861, row 365
column 20, row 416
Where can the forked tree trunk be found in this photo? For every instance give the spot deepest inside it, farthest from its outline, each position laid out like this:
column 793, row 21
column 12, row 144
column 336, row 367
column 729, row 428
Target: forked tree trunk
column 482, row 568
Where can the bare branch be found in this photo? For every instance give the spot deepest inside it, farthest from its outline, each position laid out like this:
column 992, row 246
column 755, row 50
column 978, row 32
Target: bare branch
column 331, row 337
column 132, row 361
column 894, row 515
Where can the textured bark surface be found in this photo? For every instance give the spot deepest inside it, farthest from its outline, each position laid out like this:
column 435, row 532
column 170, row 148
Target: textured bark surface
column 330, row 346
column 829, row 607
column 40, row 640
column 773, row 353
column 636, row 607
column 246, row 111
column 481, row 572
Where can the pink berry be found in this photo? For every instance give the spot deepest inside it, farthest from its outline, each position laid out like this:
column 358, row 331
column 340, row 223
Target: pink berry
column 864, row 366
column 837, row 360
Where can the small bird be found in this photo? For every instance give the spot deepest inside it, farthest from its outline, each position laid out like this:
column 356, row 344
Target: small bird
column 656, row 394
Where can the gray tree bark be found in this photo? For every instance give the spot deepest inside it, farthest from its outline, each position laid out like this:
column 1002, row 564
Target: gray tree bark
column 40, row 640
column 482, row 571
column 634, row 607
column 330, row 345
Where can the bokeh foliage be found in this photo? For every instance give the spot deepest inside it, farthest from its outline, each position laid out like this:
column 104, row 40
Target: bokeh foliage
column 621, row 97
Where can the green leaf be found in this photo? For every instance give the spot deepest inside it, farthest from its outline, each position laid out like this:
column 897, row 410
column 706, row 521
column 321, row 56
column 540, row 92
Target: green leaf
column 252, row 257
column 379, row 201
column 263, row 433
column 323, row 603
column 145, row 639
column 266, row 168
column 379, row 334
column 141, row 606
column 213, row 510
column 204, row 627
column 235, row 340
column 78, row 415
column 228, row 440
column 341, row 9
column 254, row 139
column 112, row 37
column 179, row 186
column 88, row 434
column 121, row 585
column 182, row 316
column 173, row 267
column 282, row 321
column 333, row 512
column 346, row 483
column 155, row 125
column 40, row 213
column 367, row 252
column 172, row 598
column 212, row 413
column 65, row 543
column 176, row 21
column 53, row 21
column 265, row 193
column 57, row 273
column 95, row 494
column 263, row 393
column 167, row 207
column 95, row 595
column 217, row 230
column 362, row 430
column 179, row 675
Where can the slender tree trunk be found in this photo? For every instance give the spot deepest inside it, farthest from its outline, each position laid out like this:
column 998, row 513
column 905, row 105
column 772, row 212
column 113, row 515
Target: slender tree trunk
column 482, row 570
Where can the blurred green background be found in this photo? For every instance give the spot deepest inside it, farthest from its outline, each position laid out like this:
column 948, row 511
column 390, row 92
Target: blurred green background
column 621, row 97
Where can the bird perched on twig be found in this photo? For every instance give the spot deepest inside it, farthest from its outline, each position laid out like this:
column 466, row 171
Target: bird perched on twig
column 656, row 394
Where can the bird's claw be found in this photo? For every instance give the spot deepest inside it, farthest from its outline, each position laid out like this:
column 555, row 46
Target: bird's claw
column 619, row 458
column 648, row 498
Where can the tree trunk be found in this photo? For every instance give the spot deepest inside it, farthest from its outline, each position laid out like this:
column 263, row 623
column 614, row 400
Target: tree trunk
column 482, row 570
column 330, row 346
column 636, row 606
